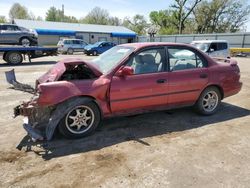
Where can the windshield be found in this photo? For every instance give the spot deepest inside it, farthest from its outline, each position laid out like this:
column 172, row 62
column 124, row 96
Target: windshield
column 97, row 44
column 23, row 28
column 202, row 46
column 111, row 58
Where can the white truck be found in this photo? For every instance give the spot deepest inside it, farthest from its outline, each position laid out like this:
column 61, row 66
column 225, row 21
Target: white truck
column 214, row 48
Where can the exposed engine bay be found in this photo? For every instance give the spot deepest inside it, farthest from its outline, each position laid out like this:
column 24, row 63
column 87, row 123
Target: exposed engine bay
column 77, row 72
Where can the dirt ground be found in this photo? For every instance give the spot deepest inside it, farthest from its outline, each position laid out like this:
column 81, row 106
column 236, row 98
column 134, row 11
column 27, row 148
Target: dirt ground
column 163, row 149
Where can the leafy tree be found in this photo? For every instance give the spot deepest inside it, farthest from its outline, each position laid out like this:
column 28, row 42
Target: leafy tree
column 165, row 20
column 138, row 24
column 97, row 16
column 18, row 11
column 3, row 19
column 53, row 14
column 57, row 15
column 183, row 9
column 220, row 16
column 114, row 21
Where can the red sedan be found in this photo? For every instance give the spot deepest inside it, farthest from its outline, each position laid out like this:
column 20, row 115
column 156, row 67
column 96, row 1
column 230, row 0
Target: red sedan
column 75, row 95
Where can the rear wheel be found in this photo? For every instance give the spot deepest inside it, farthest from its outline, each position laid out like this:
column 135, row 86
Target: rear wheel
column 70, row 51
column 209, row 101
column 80, row 120
column 25, row 41
column 13, row 58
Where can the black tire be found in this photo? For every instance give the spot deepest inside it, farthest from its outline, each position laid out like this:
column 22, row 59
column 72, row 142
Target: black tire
column 95, row 53
column 209, row 101
column 24, row 41
column 70, row 51
column 77, row 116
column 13, row 58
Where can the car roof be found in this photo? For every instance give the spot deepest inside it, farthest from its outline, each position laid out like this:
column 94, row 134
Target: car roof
column 8, row 24
column 152, row 44
column 208, row 41
column 73, row 39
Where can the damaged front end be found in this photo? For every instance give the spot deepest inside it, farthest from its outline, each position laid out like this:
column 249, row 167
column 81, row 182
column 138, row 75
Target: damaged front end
column 41, row 119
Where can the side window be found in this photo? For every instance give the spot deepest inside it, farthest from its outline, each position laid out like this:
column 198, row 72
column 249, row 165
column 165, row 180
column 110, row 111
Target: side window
column 16, row 28
column 76, row 42
column 222, row 46
column 68, row 42
column 214, row 46
column 10, row 28
column 148, row 61
column 182, row 59
column 4, row 27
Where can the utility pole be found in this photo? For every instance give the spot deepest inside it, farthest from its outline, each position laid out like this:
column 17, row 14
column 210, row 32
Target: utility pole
column 62, row 19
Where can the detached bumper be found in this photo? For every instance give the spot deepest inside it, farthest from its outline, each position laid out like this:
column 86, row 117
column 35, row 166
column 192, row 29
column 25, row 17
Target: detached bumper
column 36, row 121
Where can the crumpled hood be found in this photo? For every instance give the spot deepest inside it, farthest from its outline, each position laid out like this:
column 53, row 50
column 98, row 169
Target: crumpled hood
column 59, row 68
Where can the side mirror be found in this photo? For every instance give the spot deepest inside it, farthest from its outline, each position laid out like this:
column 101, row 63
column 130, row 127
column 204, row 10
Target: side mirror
column 125, row 71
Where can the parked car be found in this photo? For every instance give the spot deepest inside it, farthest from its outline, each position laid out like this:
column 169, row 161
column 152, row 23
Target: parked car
column 13, row 34
column 98, row 48
column 69, row 46
column 76, row 95
column 214, row 48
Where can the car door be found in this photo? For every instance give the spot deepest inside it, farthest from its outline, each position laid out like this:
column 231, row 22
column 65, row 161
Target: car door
column 102, row 47
column 146, row 88
column 11, row 34
column 187, row 77
column 76, row 45
column 223, row 50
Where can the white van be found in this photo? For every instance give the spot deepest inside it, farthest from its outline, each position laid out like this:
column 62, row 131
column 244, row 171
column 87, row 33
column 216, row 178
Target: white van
column 214, row 48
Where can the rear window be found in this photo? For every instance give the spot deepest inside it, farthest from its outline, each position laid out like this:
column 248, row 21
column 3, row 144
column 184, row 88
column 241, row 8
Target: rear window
column 67, row 42
column 222, row 46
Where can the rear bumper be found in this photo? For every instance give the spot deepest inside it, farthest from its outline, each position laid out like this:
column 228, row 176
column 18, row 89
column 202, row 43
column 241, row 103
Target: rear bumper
column 233, row 90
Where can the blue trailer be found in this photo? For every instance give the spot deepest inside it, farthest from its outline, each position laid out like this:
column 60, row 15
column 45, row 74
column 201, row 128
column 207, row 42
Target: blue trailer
column 15, row 55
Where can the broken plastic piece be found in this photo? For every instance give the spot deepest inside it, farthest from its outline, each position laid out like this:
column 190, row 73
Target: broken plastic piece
column 11, row 79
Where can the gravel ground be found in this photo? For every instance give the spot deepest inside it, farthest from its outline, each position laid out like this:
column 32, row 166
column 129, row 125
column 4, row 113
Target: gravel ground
column 163, row 149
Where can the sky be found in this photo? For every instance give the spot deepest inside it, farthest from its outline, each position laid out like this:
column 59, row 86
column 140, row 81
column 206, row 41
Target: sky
column 79, row 8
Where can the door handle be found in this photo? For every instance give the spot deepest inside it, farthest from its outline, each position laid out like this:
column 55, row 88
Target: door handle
column 203, row 75
column 161, row 81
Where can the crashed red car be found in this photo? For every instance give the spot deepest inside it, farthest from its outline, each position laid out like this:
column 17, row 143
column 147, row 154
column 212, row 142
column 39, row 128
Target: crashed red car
column 75, row 95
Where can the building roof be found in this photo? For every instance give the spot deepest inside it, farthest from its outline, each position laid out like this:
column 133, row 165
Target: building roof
column 75, row 27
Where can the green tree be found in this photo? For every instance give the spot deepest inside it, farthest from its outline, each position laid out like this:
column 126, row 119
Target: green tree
column 183, row 9
column 53, row 14
column 114, row 21
column 165, row 20
column 137, row 24
column 221, row 16
column 3, row 19
column 18, row 11
column 57, row 15
column 97, row 16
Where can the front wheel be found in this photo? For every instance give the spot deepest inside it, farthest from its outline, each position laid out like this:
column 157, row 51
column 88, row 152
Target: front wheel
column 80, row 120
column 209, row 101
column 95, row 53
